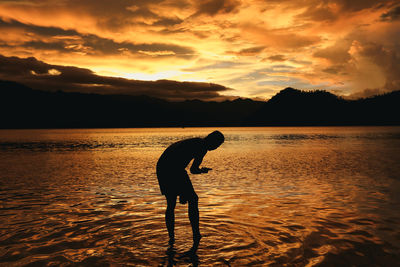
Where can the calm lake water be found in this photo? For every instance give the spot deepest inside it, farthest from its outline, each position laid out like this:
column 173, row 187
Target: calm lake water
column 308, row 196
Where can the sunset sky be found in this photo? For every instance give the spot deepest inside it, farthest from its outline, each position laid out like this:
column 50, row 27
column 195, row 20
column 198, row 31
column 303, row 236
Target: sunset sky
column 244, row 48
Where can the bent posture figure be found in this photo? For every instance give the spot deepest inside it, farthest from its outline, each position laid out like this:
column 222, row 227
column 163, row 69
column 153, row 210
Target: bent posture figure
column 174, row 180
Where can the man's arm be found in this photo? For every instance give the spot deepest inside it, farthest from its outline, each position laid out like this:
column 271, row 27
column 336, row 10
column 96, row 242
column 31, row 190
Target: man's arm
column 195, row 168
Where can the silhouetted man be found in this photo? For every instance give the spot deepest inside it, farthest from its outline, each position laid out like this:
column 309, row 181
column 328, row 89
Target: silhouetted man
column 174, row 180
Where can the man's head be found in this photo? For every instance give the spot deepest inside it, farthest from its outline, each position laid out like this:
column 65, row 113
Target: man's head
column 214, row 140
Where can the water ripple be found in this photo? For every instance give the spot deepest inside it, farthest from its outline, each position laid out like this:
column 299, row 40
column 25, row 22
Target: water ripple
column 281, row 197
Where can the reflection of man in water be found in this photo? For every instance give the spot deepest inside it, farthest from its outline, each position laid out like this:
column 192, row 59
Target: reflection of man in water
column 174, row 180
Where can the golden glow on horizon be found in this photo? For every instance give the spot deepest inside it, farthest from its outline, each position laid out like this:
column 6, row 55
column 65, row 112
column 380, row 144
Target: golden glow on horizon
column 150, row 77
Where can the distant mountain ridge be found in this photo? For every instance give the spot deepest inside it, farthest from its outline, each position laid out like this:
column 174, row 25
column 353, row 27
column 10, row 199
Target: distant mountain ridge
column 294, row 107
column 23, row 107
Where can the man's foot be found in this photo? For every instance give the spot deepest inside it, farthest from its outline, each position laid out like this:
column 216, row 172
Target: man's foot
column 196, row 242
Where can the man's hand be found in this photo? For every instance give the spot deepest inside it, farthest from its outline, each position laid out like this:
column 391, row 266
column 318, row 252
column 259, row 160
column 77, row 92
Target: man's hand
column 205, row 169
column 198, row 171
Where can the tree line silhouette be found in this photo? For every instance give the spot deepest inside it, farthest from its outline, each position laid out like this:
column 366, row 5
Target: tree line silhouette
column 23, row 107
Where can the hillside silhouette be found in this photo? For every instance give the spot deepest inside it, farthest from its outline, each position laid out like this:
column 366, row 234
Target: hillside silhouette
column 302, row 108
column 23, row 107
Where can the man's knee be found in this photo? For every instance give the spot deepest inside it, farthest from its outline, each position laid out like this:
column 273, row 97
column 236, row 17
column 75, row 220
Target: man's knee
column 193, row 198
column 171, row 202
column 169, row 211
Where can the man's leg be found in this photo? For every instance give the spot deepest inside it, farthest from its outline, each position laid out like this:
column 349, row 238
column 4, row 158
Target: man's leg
column 194, row 219
column 194, row 215
column 188, row 194
column 170, row 217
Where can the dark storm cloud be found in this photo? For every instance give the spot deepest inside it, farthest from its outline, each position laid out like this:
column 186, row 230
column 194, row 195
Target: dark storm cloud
column 277, row 58
column 357, row 5
column 349, row 5
column 42, row 76
column 58, row 46
column 108, row 46
column 335, row 69
column 167, row 22
column 251, row 51
column 72, row 41
column 214, row 7
column 15, row 67
column 391, row 15
column 45, row 31
column 108, row 15
column 115, row 16
column 124, row 13
column 319, row 13
column 330, row 10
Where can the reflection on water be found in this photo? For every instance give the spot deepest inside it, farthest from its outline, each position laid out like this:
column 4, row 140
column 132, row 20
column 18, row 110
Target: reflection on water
column 276, row 196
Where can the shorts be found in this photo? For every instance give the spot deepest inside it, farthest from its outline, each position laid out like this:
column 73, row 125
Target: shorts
column 175, row 183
